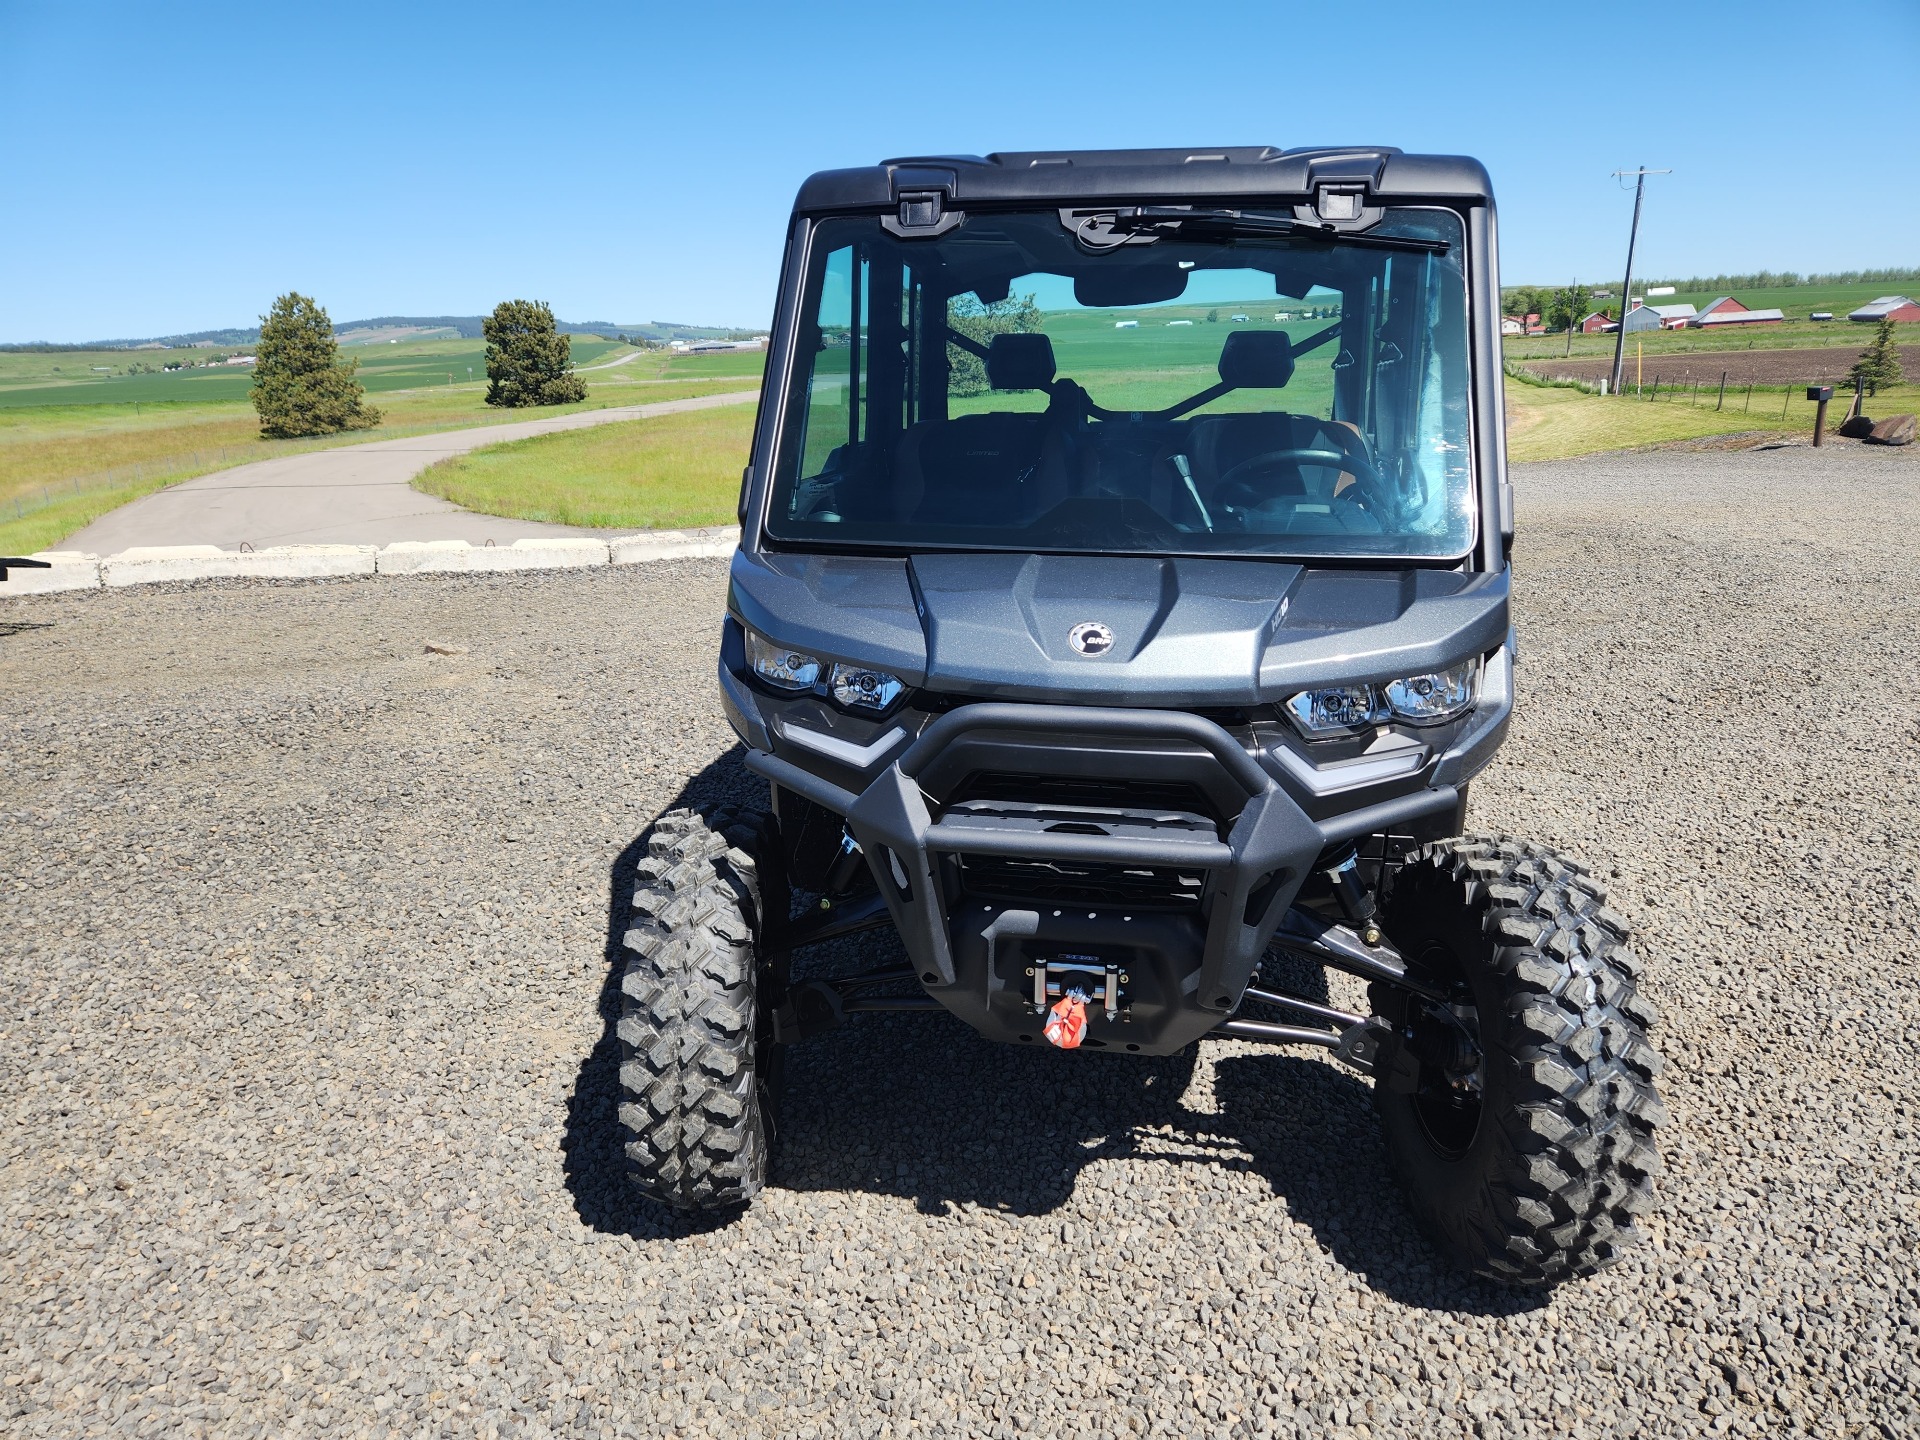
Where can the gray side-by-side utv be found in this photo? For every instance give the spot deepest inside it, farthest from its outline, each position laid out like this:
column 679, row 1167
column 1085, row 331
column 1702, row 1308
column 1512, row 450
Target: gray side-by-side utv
column 1122, row 598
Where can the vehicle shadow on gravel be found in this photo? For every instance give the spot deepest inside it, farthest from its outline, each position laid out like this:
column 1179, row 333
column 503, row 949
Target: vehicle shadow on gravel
column 918, row 1107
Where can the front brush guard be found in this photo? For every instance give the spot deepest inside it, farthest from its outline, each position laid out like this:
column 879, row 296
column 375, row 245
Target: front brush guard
column 1253, row 874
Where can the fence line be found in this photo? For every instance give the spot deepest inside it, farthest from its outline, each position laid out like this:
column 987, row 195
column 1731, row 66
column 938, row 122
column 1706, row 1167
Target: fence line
column 1661, row 391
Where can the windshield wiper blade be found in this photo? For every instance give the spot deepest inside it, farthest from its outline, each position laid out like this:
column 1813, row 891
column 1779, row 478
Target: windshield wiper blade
column 1189, row 222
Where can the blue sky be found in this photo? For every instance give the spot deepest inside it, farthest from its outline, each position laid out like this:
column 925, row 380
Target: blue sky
column 170, row 168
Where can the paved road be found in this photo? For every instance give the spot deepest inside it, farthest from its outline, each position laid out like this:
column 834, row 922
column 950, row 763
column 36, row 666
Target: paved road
column 356, row 495
column 610, row 364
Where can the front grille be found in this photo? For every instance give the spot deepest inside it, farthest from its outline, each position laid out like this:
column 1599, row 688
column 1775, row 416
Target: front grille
column 1090, row 792
column 1061, row 882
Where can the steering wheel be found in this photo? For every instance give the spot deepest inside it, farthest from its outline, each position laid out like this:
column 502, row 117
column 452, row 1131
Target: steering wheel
column 1357, row 466
column 1366, row 485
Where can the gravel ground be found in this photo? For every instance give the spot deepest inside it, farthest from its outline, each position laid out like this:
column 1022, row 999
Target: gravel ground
column 308, row 1075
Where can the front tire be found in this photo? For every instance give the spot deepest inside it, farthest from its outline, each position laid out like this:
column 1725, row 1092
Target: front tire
column 1523, row 1128
column 697, row 1075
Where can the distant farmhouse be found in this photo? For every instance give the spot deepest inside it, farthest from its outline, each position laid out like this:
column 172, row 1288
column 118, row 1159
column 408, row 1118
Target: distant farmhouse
column 1887, row 307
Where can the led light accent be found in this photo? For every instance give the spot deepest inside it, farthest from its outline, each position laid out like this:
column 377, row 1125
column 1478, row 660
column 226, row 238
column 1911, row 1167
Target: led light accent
column 859, row 688
column 1435, row 697
column 779, row 666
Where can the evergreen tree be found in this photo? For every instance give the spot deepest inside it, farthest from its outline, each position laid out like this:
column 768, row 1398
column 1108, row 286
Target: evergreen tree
column 301, row 386
column 1879, row 363
column 528, row 360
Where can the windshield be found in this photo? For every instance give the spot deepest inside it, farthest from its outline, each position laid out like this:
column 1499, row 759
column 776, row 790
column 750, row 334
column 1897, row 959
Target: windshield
column 1032, row 381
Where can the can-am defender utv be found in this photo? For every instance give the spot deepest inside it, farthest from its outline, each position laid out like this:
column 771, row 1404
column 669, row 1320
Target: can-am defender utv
column 1123, row 591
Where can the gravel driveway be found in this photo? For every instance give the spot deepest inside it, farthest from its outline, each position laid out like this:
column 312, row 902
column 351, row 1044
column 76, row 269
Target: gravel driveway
column 308, row 1077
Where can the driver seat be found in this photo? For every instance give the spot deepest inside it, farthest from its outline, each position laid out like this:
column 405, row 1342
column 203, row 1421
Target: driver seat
column 997, row 468
column 1263, row 360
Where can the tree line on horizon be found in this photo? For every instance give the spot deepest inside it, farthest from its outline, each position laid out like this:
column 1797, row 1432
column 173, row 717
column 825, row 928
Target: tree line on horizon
column 302, row 385
column 1787, row 279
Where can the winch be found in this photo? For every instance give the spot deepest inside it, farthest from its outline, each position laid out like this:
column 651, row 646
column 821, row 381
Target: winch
column 1072, row 983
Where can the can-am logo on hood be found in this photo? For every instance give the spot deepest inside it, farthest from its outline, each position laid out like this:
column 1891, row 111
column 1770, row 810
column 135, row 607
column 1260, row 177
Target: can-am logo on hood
column 1090, row 637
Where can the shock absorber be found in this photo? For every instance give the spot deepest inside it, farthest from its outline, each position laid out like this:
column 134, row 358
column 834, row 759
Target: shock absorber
column 1356, row 902
column 845, row 866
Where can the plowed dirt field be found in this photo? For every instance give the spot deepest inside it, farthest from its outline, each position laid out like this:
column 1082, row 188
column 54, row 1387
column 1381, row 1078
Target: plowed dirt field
column 1743, row 367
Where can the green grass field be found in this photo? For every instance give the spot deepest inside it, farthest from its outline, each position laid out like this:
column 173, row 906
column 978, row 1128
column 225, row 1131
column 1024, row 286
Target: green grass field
column 63, row 465
column 72, row 377
column 663, row 473
column 1551, row 422
column 1172, row 353
column 1160, row 362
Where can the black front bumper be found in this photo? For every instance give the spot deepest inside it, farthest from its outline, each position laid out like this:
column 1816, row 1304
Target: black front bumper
column 1185, row 971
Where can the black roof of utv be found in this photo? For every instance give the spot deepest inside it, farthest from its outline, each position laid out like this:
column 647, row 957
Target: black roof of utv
column 1243, row 171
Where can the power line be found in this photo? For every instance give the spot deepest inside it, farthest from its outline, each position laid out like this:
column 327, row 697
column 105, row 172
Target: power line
column 1639, row 178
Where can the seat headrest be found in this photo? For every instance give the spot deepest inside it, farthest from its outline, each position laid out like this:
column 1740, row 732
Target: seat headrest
column 1020, row 362
column 1256, row 360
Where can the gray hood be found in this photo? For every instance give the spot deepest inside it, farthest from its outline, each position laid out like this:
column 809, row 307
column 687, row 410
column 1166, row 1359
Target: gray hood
column 1186, row 632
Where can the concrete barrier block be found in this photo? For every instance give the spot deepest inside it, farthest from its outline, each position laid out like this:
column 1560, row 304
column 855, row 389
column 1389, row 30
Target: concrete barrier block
column 425, row 557
column 146, row 564
column 71, row 570
column 306, row 562
column 538, row 555
column 671, row 545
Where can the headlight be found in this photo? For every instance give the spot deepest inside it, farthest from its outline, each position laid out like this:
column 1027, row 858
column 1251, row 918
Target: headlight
column 1431, row 698
column 1428, row 699
column 858, row 688
column 779, row 666
column 1336, row 710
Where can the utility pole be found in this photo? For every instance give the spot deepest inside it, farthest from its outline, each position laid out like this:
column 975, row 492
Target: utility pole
column 1626, row 290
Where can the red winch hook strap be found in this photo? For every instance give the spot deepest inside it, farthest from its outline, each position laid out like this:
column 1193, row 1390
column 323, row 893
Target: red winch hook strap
column 1067, row 1021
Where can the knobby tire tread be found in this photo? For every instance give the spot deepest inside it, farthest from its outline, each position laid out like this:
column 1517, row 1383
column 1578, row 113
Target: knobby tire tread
column 695, row 1134
column 1571, row 1162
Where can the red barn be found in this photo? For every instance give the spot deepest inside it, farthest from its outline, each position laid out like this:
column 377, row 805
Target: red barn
column 1725, row 305
column 1887, row 307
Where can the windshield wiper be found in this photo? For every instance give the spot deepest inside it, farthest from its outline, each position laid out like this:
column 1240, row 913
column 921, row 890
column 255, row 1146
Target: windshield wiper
column 1136, row 223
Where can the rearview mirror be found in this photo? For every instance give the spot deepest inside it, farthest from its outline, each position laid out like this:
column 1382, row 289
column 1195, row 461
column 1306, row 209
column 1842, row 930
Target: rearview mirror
column 1129, row 285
